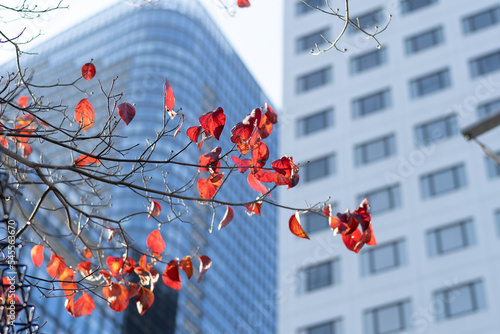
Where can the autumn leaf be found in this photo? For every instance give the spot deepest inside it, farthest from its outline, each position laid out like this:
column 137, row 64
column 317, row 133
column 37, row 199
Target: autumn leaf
column 87, row 253
column 253, row 208
column 84, row 114
column 228, row 217
column 115, row 264
column 206, row 188
column 132, row 289
column 213, row 122
column 295, row 228
column 210, row 161
column 155, row 242
column 243, row 130
column 84, row 160
column 187, row 266
column 84, row 268
column 194, row 133
column 242, row 164
column 154, row 209
column 129, row 266
column 117, row 296
column 83, row 306
column 260, row 154
column 56, row 266
column 255, row 184
column 171, row 276
column 266, row 122
column 243, row 3
column 126, row 111
column 67, row 282
column 23, row 101
column 144, row 300
column 351, row 240
column 26, row 150
column 169, row 96
column 88, row 71
column 37, row 255
column 205, row 264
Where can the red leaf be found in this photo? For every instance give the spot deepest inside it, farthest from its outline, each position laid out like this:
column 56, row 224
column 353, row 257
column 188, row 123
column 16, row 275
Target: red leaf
column 83, row 306
column 242, row 164
column 351, row 240
column 362, row 215
column 194, row 133
column 180, row 126
column 295, row 228
column 144, row 300
column 84, row 268
column 205, row 264
column 23, row 101
column 206, row 189
column 115, row 264
column 26, row 150
column 228, row 216
column 243, row 3
column 187, row 266
column 87, row 253
column 132, row 289
column 254, row 208
column 117, row 296
column 171, row 275
column 88, row 71
column 169, row 96
column 37, row 255
column 213, row 122
column 155, row 242
column 210, row 161
column 84, row 160
column 154, row 209
column 129, row 266
column 84, row 114
column 126, row 112
column 255, row 184
column 56, row 266
column 260, row 154
column 267, row 121
column 67, row 282
column 243, row 130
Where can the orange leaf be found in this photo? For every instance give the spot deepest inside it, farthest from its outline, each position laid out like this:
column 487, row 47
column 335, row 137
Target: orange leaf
column 84, row 114
column 67, row 282
column 253, row 208
column 117, row 296
column 56, row 266
column 228, row 216
column 84, row 268
column 155, row 242
column 126, row 111
column 37, row 255
column 352, row 240
column 87, row 253
column 88, row 71
column 187, row 266
column 295, row 228
column 154, row 209
column 169, row 96
column 83, row 306
column 115, row 264
column 84, row 159
column 171, row 276
column 213, row 122
column 205, row 264
column 206, row 189
column 243, row 3
column 144, row 300
column 129, row 266
column 23, row 101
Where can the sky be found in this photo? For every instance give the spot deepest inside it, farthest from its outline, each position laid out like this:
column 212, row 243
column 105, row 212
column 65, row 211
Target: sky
column 255, row 33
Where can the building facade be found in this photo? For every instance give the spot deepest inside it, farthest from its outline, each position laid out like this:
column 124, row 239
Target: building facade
column 385, row 124
column 143, row 46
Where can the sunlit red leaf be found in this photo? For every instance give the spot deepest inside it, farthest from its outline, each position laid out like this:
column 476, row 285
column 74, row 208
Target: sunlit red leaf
column 254, row 208
column 266, row 122
column 169, row 96
column 56, row 266
column 154, row 209
column 132, row 288
column 180, row 126
column 260, row 154
column 255, row 184
column 206, row 189
column 210, row 161
column 144, row 300
column 187, row 266
column 228, row 217
column 67, row 282
column 84, row 268
column 23, row 101
column 84, row 160
column 171, row 275
column 242, row 164
column 37, row 255
column 84, row 114
column 83, row 306
column 243, row 130
column 126, row 111
column 115, row 264
column 117, row 296
column 243, row 3
column 351, row 240
column 362, row 215
column 295, row 228
column 205, row 264
column 88, row 71
column 87, row 253
column 213, row 122
column 106, row 275
column 216, row 180
column 194, row 133
column 155, row 242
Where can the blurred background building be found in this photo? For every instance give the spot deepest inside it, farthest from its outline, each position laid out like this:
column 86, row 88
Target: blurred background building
column 143, row 46
column 385, row 124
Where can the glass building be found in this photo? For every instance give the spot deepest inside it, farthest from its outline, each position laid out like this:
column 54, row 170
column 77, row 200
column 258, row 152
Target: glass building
column 143, row 46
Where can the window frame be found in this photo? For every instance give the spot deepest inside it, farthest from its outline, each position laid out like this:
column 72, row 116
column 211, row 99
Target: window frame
column 301, row 9
column 331, row 162
column 429, row 191
column 375, row 14
column 361, row 156
column 476, row 293
column 372, row 320
column 332, row 267
column 303, row 86
column 435, row 237
column 368, row 257
column 417, row 85
column 302, row 41
column 358, row 66
column 359, row 105
column 333, row 324
column 306, row 222
column 468, row 22
column 424, row 135
column 394, row 198
column 412, row 42
column 492, row 168
column 304, row 130
column 478, row 65
column 407, row 8
column 485, row 109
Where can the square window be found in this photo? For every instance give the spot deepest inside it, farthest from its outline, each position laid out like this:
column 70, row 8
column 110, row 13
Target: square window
column 412, row 5
column 450, row 238
column 443, row 181
column 460, row 300
column 436, row 130
column 371, row 103
column 314, row 80
column 375, row 150
column 384, row 199
column 319, row 168
column 321, row 275
column 485, row 64
column 315, row 122
column 383, row 257
column 367, row 61
column 482, row 20
column 430, row 83
column 391, row 318
column 425, row 40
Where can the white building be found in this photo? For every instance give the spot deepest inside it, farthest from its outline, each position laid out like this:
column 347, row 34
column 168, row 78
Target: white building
column 385, row 124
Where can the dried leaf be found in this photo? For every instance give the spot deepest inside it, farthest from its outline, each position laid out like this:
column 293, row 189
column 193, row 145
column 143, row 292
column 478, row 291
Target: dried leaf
column 205, row 264
column 228, row 217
